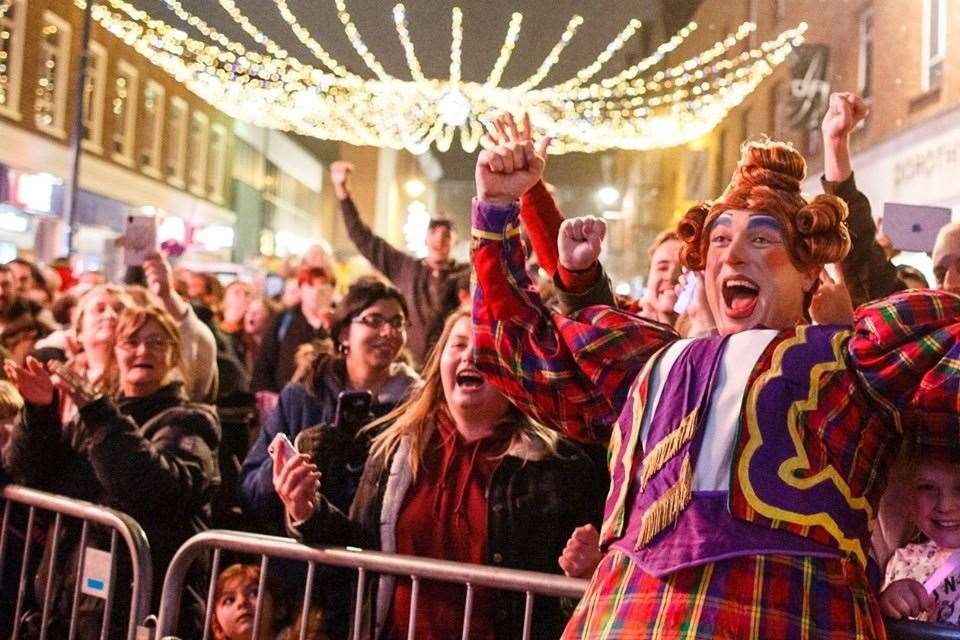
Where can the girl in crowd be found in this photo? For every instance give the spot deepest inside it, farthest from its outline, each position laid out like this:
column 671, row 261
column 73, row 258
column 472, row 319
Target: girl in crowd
column 935, row 510
column 455, row 473
column 369, row 328
column 259, row 315
column 235, row 599
column 144, row 450
column 746, row 466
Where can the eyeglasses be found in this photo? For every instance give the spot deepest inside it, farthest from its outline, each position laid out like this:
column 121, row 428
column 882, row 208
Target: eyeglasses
column 153, row 343
column 376, row 321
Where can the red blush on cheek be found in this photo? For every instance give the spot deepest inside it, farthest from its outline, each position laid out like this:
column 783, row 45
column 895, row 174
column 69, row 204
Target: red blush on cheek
column 777, row 259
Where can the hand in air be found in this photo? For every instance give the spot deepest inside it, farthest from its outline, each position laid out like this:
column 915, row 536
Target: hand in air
column 580, row 242
column 845, row 112
column 511, row 164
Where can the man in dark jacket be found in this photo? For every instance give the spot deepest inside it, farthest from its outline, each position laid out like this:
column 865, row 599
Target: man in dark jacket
column 429, row 284
column 302, row 324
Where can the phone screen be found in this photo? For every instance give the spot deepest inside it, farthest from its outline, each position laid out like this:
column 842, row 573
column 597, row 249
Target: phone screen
column 353, row 410
column 139, row 239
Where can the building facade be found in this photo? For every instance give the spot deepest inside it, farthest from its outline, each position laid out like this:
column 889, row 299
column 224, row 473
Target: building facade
column 897, row 54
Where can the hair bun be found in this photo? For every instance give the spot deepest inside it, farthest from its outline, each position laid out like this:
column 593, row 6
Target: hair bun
column 773, row 164
column 822, row 228
column 689, row 230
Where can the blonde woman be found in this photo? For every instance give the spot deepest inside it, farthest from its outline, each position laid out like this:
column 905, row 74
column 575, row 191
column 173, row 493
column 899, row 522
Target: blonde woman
column 455, row 473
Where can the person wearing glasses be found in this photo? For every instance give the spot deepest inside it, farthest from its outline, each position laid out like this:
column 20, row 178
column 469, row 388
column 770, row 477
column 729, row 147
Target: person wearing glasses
column 145, row 450
column 369, row 329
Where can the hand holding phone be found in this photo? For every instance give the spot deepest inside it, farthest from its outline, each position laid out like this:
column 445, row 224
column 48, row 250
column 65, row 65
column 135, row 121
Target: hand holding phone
column 686, row 294
column 139, row 239
column 281, row 450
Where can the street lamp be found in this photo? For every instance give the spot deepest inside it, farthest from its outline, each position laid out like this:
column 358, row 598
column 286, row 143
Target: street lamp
column 608, row 195
column 414, row 187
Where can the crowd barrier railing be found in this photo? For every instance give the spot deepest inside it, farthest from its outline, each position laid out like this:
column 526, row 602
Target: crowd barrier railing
column 365, row 562
column 912, row 630
column 121, row 526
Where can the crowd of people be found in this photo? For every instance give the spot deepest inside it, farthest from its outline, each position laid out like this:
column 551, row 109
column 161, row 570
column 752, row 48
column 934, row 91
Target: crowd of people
column 764, row 444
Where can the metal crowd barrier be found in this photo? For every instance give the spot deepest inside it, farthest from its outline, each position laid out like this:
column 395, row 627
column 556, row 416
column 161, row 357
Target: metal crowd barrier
column 473, row 576
column 121, row 525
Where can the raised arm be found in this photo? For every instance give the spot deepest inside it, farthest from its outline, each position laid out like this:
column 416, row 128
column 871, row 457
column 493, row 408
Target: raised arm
column 868, row 273
column 572, row 373
column 386, row 258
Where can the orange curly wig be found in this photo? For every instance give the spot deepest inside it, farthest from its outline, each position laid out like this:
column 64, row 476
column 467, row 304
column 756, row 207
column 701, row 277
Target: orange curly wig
column 768, row 179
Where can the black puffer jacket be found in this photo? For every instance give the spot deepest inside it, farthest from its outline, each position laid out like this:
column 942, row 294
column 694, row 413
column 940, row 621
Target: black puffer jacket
column 152, row 457
column 534, row 502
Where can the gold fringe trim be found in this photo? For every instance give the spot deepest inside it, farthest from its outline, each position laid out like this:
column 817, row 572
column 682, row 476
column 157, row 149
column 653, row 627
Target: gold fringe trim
column 510, row 232
column 667, row 448
column 664, row 511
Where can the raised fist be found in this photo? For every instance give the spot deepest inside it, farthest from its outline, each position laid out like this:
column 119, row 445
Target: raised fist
column 340, row 171
column 580, row 241
column 505, row 171
column 844, row 113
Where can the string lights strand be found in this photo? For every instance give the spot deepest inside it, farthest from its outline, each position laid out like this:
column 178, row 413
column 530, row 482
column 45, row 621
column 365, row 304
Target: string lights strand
column 353, row 34
column 671, row 107
column 456, row 45
column 307, row 40
column 400, row 20
column 615, row 45
column 506, row 50
column 552, row 57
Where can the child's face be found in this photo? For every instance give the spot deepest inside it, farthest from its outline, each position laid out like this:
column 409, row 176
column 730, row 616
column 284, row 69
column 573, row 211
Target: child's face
column 235, row 609
column 937, row 503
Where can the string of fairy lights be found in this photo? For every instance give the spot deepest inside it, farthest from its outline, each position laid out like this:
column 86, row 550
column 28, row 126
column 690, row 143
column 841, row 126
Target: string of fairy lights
column 643, row 106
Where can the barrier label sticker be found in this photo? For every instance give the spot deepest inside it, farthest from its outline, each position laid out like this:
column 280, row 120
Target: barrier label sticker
column 96, row 573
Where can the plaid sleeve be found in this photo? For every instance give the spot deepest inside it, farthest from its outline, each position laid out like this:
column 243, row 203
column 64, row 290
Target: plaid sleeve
column 571, row 373
column 906, row 350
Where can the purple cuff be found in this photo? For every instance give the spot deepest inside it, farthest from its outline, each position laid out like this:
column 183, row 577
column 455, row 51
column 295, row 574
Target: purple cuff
column 489, row 218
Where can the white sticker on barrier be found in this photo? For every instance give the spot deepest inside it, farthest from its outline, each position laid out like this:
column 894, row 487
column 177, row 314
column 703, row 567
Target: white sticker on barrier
column 96, row 573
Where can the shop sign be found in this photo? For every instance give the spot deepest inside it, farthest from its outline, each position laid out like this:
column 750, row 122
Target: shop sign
column 809, row 88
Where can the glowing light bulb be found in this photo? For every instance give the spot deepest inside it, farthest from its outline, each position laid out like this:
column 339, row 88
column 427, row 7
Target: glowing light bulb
column 454, row 108
column 608, row 195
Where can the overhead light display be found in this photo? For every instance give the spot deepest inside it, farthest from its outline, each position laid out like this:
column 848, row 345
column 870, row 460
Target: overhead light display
column 647, row 105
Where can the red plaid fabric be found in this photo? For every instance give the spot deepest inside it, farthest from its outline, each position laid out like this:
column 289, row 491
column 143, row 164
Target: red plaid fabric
column 746, row 598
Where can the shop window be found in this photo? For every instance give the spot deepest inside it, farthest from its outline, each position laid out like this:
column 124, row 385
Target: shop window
column 150, row 151
column 124, row 112
column 50, row 100
column 94, row 92
column 12, row 27
column 199, row 137
column 175, row 163
column 934, row 43
column 216, row 173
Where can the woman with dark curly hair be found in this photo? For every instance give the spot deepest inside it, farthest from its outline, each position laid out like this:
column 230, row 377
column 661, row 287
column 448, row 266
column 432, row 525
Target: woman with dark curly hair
column 746, row 465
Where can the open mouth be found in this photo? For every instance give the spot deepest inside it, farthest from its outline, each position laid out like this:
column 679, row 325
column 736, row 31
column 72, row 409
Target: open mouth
column 470, row 379
column 740, row 296
column 949, row 525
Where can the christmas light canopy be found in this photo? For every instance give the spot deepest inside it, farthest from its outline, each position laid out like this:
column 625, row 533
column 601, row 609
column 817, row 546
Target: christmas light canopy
column 647, row 105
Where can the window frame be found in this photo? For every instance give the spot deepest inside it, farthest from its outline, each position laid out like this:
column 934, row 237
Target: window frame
column 198, row 159
column 927, row 59
column 177, row 176
column 127, row 157
column 94, row 128
column 217, row 162
column 61, row 75
column 154, row 169
column 11, row 108
column 865, row 71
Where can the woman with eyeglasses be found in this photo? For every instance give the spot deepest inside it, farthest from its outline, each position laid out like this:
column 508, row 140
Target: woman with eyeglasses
column 455, row 473
column 146, row 451
column 369, row 332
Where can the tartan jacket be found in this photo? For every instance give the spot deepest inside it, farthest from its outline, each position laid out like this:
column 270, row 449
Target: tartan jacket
column 843, row 395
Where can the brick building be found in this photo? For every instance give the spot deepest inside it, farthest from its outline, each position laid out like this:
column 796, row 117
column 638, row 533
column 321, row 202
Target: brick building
column 898, row 54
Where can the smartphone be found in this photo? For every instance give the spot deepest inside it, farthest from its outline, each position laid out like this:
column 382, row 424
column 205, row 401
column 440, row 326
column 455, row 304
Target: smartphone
column 281, row 441
column 139, row 239
column 686, row 294
column 353, row 410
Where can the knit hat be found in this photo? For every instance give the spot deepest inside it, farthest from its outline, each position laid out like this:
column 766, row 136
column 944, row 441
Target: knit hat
column 947, row 246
